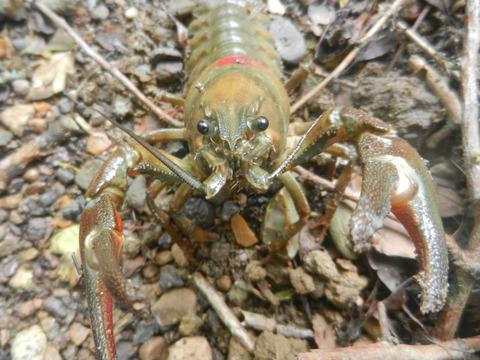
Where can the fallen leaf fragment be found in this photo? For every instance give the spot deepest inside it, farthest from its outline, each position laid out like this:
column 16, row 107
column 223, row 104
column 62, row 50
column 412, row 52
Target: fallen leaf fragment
column 244, row 236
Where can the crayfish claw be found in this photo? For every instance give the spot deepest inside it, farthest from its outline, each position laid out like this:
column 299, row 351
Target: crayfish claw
column 378, row 181
column 395, row 177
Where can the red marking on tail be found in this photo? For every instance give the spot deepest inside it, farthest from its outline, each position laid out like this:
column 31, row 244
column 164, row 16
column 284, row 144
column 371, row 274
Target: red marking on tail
column 239, row 60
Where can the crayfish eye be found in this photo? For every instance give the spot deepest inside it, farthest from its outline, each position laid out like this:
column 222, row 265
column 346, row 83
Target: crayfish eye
column 260, row 123
column 203, row 127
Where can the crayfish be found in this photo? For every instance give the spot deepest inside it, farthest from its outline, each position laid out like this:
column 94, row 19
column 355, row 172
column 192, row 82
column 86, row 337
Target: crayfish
column 236, row 114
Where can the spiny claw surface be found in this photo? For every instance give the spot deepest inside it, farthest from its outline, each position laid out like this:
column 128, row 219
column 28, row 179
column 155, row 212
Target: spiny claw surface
column 395, row 178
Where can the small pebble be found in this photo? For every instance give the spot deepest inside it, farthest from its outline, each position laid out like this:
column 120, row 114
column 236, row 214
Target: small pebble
column 51, row 353
column 55, row 307
column 321, row 263
column 150, row 271
column 8, row 267
column 179, row 256
column 97, row 143
column 21, row 87
column 126, row 350
column 78, row 333
column 72, row 211
column 169, row 277
column 131, row 13
column 190, row 348
column 37, row 125
column 254, row 272
column 163, row 257
column 132, row 244
column 137, row 193
column 154, row 349
column 29, row 344
column 100, row 12
column 164, row 241
column 199, row 209
column 5, row 137
column 28, row 254
column 22, row 280
column 25, row 309
column 289, row 41
column 36, row 229
column 65, row 105
column 301, row 281
column 87, row 172
column 174, row 305
column 3, row 216
column 229, row 208
column 65, row 176
column 145, row 330
column 224, row 283
column 239, row 293
column 189, row 325
column 31, row 174
column 48, row 197
column 121, row 106
column 15, row 118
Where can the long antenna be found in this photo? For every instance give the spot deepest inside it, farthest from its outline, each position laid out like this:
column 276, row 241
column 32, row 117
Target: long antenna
column 177, row 170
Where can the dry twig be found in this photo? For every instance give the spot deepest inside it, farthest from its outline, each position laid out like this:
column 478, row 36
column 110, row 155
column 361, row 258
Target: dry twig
column 462, row 281
column 223, row 311
column 61, row 23
column 423, row 44
column 392, row 10
column 447, row 96
column 402, row 46
column 450, row 350
column 263, row 323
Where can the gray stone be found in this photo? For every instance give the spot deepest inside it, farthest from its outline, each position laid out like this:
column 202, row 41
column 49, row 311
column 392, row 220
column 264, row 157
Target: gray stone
column 229, row 209
column 36, row 229
column 174, row 305
column 288, row 39
column 137, row 193
column 169, row 277
column 65, row 105
column 65, row 176
column 21, row 87
column 87, row 172
column 55, row 307
column 5, row 137
column 29, row 344
column 190, row 348
column 200, row 210
column 100, row 12
column 121, row 106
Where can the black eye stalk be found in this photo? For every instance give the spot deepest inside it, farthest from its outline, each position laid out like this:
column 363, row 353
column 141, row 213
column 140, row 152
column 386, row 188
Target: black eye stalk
column 203, row 127
column 261, row 123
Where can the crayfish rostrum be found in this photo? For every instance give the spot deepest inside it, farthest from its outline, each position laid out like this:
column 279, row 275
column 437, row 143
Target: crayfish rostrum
column 236, row 116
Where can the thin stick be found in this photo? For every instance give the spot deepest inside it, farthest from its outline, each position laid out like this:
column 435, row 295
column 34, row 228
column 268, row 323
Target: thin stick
column 61, row 23
column 393, row 9
column 423, row 44
column 261, row 322
column 223, row 311
column 449, row 350
column 447, row 96
column 391, row 222
column 462, row 282
column 402, row 46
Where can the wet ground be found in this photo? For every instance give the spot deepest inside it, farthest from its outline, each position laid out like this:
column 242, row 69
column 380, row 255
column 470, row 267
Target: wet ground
column 51, row 147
